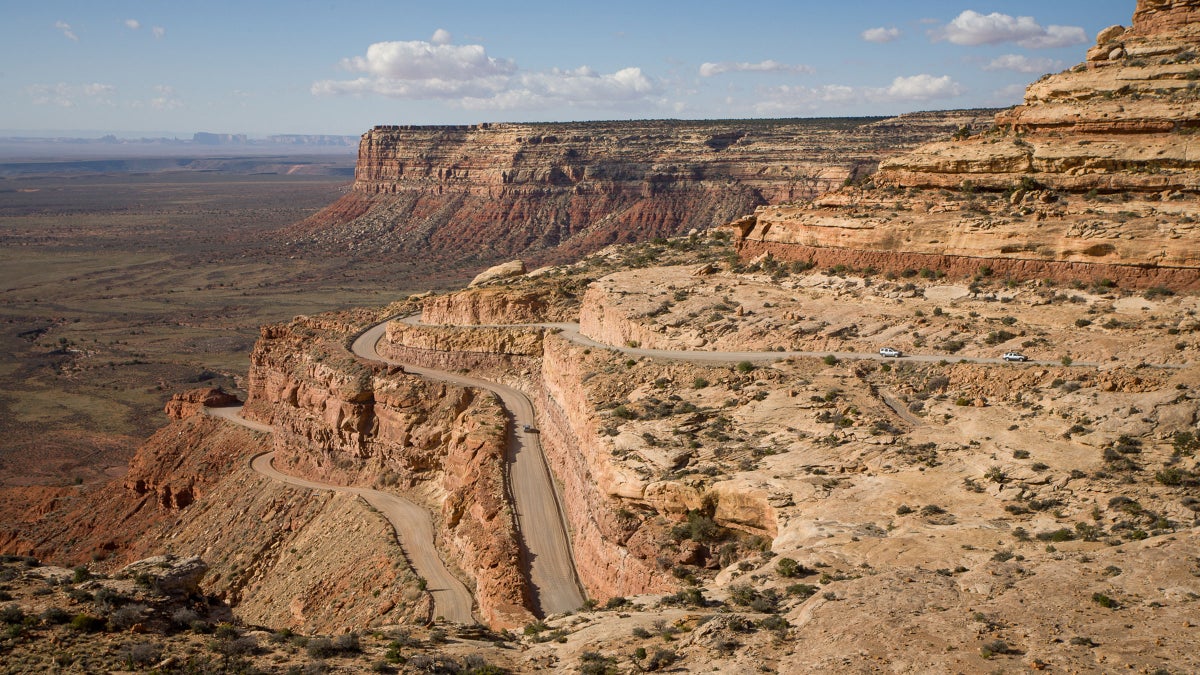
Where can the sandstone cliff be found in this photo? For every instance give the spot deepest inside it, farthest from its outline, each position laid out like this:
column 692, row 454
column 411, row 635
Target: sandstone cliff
column 341, row 421
column 474, row 195
column 1093, row 177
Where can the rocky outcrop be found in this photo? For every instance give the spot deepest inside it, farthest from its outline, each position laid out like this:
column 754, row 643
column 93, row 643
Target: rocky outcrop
column 346, row 422
column 168, row 574
column 442, row 197
column 1123, row 120
column 484, row 306
column 508, row 270
column 188, row 403
column 1094, row 177
column 616, row 555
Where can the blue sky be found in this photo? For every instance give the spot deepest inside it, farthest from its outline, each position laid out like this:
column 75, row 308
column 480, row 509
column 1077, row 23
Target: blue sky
column 341, row 67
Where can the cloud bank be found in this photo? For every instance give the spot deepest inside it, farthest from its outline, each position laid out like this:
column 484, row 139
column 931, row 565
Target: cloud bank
column 465, row 75
column 881, row 35
column 789, row 100
column 1023, row 64
column 768, row 66
column 972, row 28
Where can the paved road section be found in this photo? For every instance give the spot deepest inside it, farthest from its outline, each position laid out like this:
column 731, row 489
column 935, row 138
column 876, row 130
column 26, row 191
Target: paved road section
column 412, row 524
column 571, row 332
column 540, row 517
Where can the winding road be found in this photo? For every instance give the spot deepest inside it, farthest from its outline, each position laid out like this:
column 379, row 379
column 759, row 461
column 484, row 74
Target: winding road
column 571, row 332
column 412, row 524
column 546, row 546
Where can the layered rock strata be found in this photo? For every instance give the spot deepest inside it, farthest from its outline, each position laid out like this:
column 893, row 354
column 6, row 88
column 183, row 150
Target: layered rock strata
column 342, row 421
column 483, row 193
column 1094, row 177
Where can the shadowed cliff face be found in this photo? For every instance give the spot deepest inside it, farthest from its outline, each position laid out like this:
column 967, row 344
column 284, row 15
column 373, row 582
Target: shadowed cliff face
column 550, row 192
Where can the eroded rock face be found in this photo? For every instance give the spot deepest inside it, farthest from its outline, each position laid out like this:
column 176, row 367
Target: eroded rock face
column 188, row 403
column 484, row 306
column 346, row 422
column 168, row 574
column 550, row 192
column 1094, row 176
column 508, row 270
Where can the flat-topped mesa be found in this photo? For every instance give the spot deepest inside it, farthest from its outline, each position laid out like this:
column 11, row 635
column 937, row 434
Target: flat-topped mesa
column 549, row 192
column 1095, row 176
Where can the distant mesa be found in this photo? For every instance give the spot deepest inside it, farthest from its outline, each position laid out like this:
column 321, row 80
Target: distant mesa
column 469, row 196
column 205, row 138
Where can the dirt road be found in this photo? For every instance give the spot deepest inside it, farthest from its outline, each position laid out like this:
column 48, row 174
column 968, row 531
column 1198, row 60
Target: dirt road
column 412, row 524
column 540, row 519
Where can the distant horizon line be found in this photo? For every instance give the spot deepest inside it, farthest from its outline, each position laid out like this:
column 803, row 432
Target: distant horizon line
column 187, row 135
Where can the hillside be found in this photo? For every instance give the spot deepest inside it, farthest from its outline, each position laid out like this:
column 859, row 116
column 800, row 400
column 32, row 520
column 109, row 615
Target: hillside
column 728, row 461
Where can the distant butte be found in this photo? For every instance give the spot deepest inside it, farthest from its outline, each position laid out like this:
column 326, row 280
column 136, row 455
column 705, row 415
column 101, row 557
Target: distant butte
column 1094, row 177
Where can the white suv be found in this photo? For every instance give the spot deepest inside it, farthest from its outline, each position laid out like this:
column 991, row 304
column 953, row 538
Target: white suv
column 888, row 352
column 1014, row 356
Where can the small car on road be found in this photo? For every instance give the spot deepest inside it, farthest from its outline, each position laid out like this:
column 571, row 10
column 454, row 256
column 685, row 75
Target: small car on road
column 530, row 430
column 1014, row 356
column 889, row 352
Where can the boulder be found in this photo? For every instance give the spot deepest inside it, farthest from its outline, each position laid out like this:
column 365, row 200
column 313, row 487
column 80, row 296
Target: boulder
column 1110, row 34
column 168, row 574
column 508, row 270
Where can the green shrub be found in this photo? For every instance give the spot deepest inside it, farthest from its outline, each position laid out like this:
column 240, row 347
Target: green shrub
column 55, row 616
column 86, row 623
column 992, row 648
column 802, row 591
column 662, row 658
column 12, row 614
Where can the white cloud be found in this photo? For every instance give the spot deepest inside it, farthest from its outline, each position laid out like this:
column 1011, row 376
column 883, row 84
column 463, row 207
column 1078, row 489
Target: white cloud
column 158, row 31
column 65, row 95
column 1056, row 36
column 581, row 86
column 1023, row 64
column 1006, row 96
column 923, row 88
column 164, row 98
column 133, row 24
column 790, row 100
column 881, row 34
column 468, row 77
column 768, row 66
column 418, row 60
column 441, row 36
column 66, row 30
column 973, row 28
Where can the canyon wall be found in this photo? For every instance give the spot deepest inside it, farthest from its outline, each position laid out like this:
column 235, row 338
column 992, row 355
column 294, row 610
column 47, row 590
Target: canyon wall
column 343, row 421
column 616, row 554
column 549, row 192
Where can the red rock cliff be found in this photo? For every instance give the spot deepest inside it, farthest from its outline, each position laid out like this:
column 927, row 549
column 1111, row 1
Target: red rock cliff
column 548, row 192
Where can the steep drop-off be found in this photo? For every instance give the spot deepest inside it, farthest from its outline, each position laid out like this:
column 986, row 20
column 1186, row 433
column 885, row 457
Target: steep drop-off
column 342, row 421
